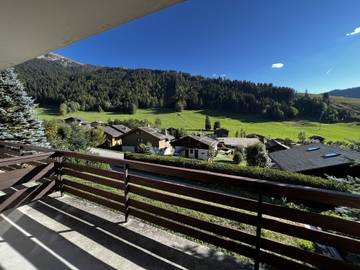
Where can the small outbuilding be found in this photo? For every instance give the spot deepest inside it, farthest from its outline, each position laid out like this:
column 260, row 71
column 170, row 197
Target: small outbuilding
column 75, row 120
column 146, row 135
column 317, row 139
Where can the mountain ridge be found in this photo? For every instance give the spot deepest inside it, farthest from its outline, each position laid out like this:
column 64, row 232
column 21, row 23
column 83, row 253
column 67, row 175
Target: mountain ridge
column 353, row 92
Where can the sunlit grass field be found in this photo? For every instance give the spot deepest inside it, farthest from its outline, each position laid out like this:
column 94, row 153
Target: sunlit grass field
column 195, row 119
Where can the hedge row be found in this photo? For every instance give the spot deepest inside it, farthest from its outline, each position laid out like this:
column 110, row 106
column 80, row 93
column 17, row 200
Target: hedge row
column 253, row 172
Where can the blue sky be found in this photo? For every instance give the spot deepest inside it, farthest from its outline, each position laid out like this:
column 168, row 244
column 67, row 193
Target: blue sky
column 314, row 44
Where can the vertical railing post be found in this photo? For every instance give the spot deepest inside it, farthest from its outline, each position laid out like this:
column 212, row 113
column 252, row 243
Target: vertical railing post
column 258, row 230
column 59, row 175
column 21, row 150
column 126, row 191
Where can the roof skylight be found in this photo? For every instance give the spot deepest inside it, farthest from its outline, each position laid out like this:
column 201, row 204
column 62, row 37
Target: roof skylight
column 312, row 149
column 330, row 155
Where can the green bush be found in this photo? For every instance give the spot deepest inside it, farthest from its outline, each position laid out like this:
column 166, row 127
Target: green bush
column 249, row 171
column 239, row 155
column 256, row 155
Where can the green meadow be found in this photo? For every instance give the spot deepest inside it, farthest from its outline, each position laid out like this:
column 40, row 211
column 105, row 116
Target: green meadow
column 195, row 119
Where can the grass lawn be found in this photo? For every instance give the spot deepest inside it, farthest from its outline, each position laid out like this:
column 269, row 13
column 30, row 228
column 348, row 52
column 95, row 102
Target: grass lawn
column 195, row 119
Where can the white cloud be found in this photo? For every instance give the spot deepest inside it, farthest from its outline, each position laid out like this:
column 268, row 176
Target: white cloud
column 355, row 32
column 277, row 65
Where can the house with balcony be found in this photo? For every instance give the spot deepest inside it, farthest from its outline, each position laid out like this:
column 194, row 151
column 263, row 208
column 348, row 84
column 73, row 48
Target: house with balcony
column 147, row 136
column 193, row 146
column 113, row 134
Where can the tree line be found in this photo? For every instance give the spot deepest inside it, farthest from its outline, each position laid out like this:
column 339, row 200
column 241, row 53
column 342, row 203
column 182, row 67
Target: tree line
column 91, row 88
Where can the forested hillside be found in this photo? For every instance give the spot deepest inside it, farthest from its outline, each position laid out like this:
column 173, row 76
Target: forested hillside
column 94, row 88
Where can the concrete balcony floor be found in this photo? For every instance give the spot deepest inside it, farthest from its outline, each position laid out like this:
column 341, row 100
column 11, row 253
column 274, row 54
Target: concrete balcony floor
column 70, row 233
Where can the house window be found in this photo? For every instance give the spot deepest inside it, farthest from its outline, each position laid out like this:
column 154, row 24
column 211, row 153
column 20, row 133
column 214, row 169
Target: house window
column 191, row 151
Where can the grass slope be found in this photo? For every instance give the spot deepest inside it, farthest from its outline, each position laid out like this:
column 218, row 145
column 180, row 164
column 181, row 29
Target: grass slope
column 347, row 103
column 195, row 119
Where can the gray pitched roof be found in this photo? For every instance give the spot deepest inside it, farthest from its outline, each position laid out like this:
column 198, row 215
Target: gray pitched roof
column 312, row 156
column 156, row 133
column 152, row 131
column 233, row 141
column 202, row 139
column 121, row 128
column 112, row 132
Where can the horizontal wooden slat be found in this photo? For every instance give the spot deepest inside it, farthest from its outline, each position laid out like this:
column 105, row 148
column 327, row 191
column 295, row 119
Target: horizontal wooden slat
column 93, row 170
column 318, row 260
column 95, row 191
column 95, row 199
column 91, row 157
column 26, row 195
column 24, row 159
column 194, row 222
column 341, row 242
column 228, row 244
column 94, row 179
column 325, row 222
column 20, row 176
column 196, row 192
column 197, row 206
column 281, row 189
column 273, row 188
column 270, row 187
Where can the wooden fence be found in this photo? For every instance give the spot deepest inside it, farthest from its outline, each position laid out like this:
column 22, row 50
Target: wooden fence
column 17, row 172
column 121, row 190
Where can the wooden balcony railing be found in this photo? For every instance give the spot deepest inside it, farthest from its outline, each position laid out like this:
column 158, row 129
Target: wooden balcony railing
column 149, row 192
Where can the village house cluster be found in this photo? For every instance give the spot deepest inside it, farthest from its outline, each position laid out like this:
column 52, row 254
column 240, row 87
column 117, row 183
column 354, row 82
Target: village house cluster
column 314, row 157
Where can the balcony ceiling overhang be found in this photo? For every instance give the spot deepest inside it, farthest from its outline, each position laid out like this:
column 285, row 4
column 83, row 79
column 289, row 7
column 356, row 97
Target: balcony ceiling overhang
column 29, row 28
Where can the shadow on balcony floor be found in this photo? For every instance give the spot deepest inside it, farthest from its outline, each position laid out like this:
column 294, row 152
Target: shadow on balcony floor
column 69, row 233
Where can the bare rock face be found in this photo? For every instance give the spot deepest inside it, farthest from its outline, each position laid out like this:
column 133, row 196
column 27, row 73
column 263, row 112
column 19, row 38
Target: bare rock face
column 66, row 62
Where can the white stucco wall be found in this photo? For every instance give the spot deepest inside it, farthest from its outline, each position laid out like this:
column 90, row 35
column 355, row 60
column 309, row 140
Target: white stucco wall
column 203, row 154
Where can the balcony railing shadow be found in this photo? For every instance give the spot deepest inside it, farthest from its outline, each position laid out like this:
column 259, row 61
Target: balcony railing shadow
column 51, row 250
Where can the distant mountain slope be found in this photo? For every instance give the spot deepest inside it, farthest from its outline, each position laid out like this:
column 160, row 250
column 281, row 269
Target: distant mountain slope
column 53, row 79
column 349, row 92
